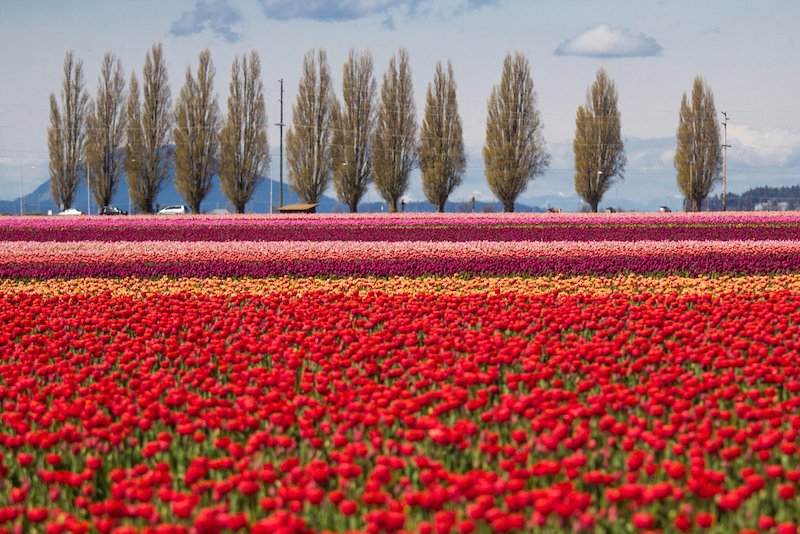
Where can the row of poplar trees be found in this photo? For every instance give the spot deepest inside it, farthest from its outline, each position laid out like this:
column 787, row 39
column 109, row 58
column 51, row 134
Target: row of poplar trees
column 125, row 131
column 352, row 144
column 359, row 141
column 364, row 140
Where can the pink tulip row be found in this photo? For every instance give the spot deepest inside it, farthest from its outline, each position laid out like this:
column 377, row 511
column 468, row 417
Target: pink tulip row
column 105, row 252
column 411, row 219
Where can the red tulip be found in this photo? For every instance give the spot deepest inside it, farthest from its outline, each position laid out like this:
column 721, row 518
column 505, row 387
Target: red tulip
column 348, row 507
column 704, row 520
column 37, row 515
column 786, row 491
column 683, row 522
column 643, row 520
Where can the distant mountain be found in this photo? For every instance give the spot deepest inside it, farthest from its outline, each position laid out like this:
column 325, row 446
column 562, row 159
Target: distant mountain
column 41, row 201
column 767, row 198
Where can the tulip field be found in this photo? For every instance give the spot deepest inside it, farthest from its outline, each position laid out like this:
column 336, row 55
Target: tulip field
column 425, row 373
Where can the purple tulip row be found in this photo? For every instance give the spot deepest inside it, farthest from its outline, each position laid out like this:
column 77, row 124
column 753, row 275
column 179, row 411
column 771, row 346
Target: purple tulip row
column 581, row 232
column 703, row 264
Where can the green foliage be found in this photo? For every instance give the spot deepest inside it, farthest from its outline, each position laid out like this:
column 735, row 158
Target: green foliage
column 244, row 145
column 105, row 131
column 514, row 152
column 396, row 149
column 197, row 134
column 598, row 146
column 310, row 138
column 698, row 158
column 148, row 155
column 353, row 144
column 442, row 161
column 66, row 135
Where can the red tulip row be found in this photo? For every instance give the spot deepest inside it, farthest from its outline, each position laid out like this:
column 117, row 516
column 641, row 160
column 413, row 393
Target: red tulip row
column 386, row 411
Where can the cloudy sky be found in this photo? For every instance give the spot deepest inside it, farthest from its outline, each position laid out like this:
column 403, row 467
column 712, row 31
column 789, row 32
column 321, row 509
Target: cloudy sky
column 653, row 49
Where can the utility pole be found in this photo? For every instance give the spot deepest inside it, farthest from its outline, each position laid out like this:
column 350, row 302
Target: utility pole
column 280, row 196
column 724, row 160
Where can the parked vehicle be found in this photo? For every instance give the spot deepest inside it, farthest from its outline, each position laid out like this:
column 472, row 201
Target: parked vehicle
column 112, row 210
column 71, row 211
column 664, row 209
column 174, row 210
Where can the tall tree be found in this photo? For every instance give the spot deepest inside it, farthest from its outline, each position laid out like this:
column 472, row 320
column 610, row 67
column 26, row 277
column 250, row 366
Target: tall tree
column 197, row 134
column 106, row 123
column 244, row 145
column 698, row 158
column 599, row 150
column 514, row 153
column 442, row 161
column 396, row 148
column 67, row 134
column 148, row 155
column 309, row 141
column 355, row 126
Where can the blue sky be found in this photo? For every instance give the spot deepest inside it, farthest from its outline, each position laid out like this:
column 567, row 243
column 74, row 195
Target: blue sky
column 653, row 49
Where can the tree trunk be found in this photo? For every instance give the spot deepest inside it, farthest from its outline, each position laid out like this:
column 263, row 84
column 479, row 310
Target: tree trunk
column 353, row 207
column 392, row 206
column 440, row 207
column 508, row 207
column 593, row 206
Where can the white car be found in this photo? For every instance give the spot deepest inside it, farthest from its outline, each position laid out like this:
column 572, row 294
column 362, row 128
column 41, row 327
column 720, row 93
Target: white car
column 174, row 210
column 71, row 211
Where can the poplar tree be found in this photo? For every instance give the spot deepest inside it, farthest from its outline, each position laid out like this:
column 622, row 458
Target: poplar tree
column 66, row 134
column 244, row 144
column 698, row 158
column 442, row 161
column 514, row 153
column 309, row 141
column 353, row 134
column 598, row 146
column 197, row 134
column 149, row 156
column 396, row 148
column 105, row 131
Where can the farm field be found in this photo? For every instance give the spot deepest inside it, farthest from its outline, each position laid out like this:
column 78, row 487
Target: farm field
column 557, row 373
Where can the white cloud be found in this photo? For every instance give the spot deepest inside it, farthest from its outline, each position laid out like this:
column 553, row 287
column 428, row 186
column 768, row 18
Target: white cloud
column 217, row 16
column 772, row 147
column 338, row 10
column 328, row 9
column 604, row 41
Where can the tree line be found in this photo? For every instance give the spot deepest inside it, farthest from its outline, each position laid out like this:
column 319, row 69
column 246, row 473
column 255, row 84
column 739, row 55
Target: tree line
column 369, row 137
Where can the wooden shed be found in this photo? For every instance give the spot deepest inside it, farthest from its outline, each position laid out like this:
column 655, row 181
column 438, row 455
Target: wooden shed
column 299, row 208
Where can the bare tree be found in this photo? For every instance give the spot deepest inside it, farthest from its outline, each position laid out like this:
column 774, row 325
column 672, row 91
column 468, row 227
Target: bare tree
column 698, row 158
column 599, row 150
column 244, row 145
column 309, row 142
column 148, row 155
column 396, row 148
column 441, row 158
column 67, row 134
column 355, row 126
column 106, row 123
column 514, row 153
column 197, row 134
